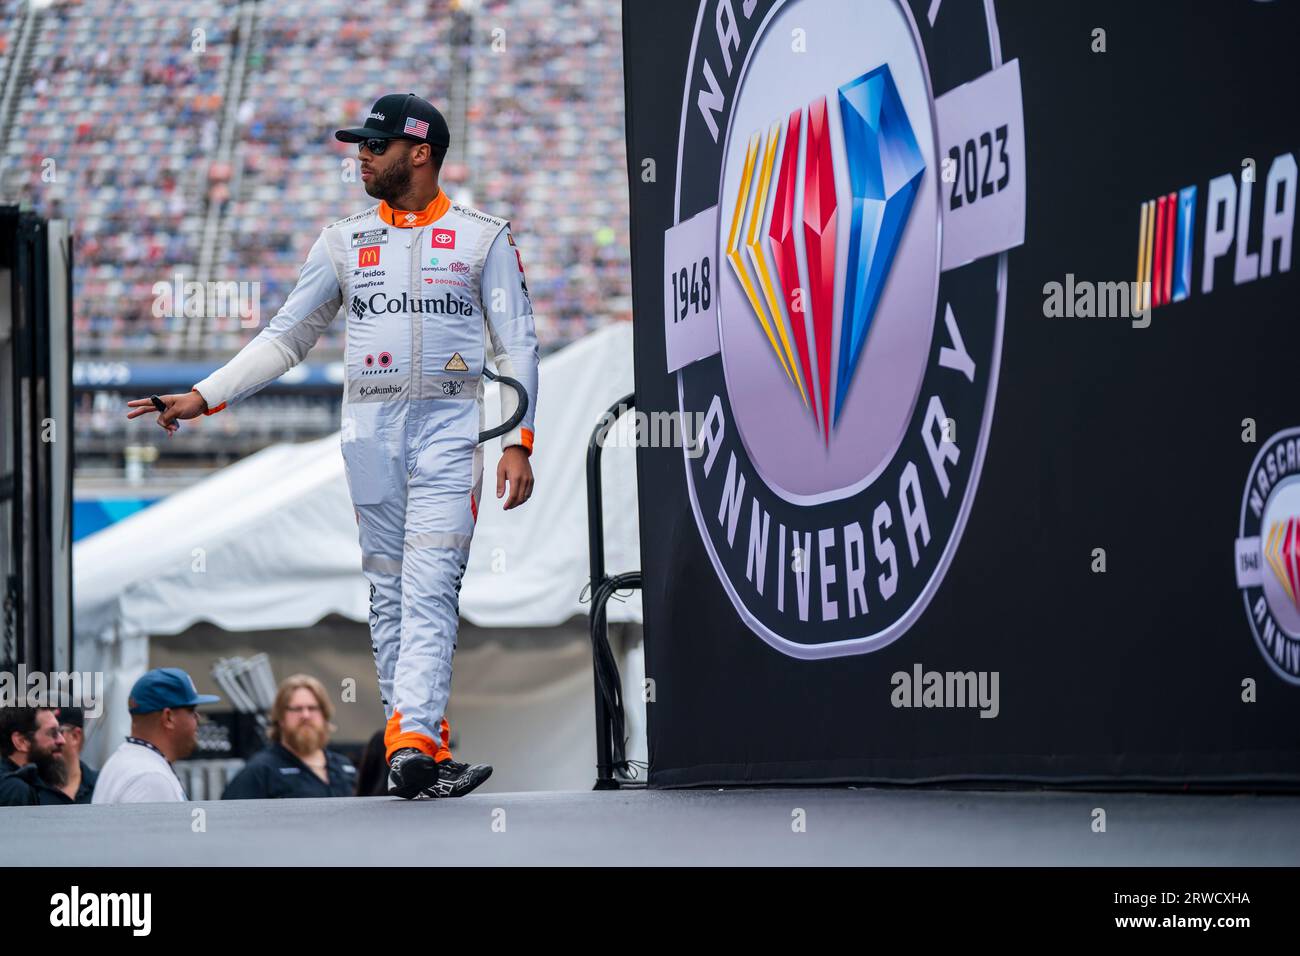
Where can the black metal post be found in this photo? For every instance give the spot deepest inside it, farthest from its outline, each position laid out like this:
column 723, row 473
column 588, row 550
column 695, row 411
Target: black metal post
column 609, row 699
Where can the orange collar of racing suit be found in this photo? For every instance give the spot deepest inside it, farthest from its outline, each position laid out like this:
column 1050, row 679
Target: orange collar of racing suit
column 410, row 220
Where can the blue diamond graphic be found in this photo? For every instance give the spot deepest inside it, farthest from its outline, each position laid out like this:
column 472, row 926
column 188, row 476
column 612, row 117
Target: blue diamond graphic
column 885, row 168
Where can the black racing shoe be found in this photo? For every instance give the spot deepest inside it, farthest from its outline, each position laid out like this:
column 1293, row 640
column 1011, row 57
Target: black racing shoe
column 455, row 779
column 410, row 772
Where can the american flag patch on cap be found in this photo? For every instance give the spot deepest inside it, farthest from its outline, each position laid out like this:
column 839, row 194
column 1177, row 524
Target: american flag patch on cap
column 416, row 127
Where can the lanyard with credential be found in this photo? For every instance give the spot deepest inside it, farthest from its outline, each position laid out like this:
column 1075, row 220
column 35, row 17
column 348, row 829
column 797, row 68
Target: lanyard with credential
column 145, row 743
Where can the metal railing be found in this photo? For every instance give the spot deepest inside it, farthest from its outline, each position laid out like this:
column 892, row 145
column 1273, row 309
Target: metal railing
column 611, row 739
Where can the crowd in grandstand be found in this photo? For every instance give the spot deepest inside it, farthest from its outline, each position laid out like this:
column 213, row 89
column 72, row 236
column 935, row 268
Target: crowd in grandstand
column 110, row 129
column 119, row 109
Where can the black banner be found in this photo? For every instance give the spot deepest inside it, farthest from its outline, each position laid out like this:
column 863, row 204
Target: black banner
column 975, row 327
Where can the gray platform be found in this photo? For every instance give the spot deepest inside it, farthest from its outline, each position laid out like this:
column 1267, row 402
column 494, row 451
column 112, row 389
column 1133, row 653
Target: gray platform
column 734, row 826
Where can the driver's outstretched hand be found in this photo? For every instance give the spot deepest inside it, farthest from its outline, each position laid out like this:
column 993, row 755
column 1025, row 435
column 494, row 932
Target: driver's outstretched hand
column 184, row 406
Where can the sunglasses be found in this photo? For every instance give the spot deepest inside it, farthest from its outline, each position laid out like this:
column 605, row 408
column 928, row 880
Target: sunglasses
column 378, row 146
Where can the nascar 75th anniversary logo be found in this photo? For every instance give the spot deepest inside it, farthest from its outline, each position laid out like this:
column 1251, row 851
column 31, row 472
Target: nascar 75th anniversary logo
column 834, row 291
column 1268, row 553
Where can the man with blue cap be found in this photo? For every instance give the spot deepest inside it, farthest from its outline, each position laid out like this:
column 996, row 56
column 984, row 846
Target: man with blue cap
column 164, row 728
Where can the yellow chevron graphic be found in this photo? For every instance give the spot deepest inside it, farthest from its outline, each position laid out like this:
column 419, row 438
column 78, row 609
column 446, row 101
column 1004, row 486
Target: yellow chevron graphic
column 760, row 263
column 733, row 249
column 1273, row 553
column 1146, row 239
column 1142, row 248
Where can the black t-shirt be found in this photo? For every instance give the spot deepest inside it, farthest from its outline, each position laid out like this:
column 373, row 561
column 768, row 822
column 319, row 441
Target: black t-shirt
column 87, row 788
column 276, row 773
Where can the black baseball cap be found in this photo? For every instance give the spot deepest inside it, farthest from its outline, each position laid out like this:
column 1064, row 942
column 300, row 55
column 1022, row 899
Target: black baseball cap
column 401, row 116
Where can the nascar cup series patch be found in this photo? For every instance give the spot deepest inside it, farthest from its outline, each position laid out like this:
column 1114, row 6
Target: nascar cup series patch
column 371, row 237
column 834, row 288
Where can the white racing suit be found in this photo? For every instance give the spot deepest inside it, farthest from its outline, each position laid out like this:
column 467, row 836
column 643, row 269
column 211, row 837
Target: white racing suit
column 426, row 295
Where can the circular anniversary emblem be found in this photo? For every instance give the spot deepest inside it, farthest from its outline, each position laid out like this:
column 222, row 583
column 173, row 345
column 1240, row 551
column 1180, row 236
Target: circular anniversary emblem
column 841, row 377
column 1268, row 553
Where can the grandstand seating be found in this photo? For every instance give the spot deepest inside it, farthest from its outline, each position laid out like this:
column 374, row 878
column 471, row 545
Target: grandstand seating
column 131, row 118
column 125, row 115
column 220, row 163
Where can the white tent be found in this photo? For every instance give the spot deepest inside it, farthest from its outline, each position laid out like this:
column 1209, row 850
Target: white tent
column 271, row 542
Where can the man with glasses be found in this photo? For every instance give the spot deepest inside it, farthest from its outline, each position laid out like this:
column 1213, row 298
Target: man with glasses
column 80, row 782
column 297, row 762
column 430, row 290
column 164, row 728
column 32, row 768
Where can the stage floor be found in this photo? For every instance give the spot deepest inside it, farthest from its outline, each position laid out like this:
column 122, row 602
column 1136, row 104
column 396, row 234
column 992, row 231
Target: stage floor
column 657, row 827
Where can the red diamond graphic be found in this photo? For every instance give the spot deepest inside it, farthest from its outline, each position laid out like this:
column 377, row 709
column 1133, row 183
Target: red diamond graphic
column 819, row 218
column 781, row 232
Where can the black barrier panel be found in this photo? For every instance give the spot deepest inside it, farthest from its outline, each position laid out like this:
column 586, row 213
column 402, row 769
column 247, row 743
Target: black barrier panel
column 983, row 321
column 35, row 442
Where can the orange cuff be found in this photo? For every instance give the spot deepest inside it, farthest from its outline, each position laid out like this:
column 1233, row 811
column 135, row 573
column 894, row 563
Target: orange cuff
column 395, row 739
column 210, row 411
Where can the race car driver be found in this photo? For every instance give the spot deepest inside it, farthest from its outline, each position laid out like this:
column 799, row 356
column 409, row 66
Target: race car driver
column 428, row 288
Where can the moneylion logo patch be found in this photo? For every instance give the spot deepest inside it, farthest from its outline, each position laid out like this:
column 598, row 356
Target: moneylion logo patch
column 842, row 363
column 1268, row 553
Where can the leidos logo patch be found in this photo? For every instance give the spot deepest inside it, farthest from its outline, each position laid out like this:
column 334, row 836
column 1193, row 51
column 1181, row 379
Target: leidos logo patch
column 843, row 362
column 1268, row 553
